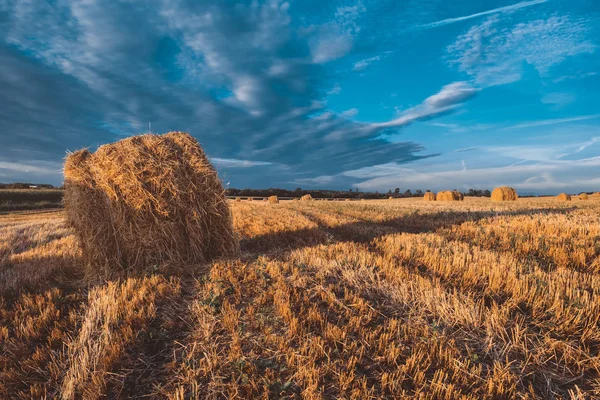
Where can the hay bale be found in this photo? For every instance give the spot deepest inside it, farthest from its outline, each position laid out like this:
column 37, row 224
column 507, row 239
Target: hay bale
column 459, row 196
column 390, row 198
column 583, row 196
column 429, row 196
column 504, row 193
column 273, row 200
column 238, row 199
column 306, row 197
column 265, row 199
column 595, row 194
column 447, row 195
column 347, row 200
column 563, row 197
column 145, row 201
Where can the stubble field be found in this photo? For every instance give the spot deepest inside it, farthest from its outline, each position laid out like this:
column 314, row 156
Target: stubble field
column 362, row 299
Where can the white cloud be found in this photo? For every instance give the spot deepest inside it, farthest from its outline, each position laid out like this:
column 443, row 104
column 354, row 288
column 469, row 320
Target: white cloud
column 546, row 122
column 336, row 89
column 350, row 113
column 505, row 9
column 447, row 99
column 493, row 53
column 541, row 178
column 330, row 46
column 234, row 163
column 364, row 63
column 557, row 99
column 579, row 75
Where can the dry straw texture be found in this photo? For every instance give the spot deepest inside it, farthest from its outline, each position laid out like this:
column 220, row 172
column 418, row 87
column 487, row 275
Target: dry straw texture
column 385, row 300
column 306, row 197
column 504, row 193
column 273, row 200
column 563, row 197
column 429, row 196
column 447, row 195
column 147, row 200
column 583, row 196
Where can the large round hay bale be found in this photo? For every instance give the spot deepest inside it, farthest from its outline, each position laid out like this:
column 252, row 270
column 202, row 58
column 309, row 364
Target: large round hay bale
column 390, row 198
column 273, row 200
column 447, row 195
column 145, row 201
column 238, row 199
column 504, row 193
column 563, row 197
column 429, row 196
column 583, row 196
column 306, row 197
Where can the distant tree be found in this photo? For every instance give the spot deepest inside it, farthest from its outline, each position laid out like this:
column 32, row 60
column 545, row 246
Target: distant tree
column 419, row 192
column 298, row 190
column 487, row 193
column 397, row 191
column 350, row 190
column 407, row 193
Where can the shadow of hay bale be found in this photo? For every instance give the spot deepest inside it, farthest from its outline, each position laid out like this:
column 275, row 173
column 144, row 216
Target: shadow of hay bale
column 145, row 201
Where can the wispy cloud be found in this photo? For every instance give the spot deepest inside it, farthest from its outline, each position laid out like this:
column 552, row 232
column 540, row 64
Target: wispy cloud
column 543, row 178
column 350, row 113
column 558, row 99
column 364, row 63
column 234, row 163
column 447, row 99
column 555, row 121
column 494, row 52
column 510, row 8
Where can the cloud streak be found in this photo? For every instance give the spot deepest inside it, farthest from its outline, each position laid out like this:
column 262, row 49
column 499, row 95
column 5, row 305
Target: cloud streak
column 547, row 122
column 498, row 10
column 447, row 99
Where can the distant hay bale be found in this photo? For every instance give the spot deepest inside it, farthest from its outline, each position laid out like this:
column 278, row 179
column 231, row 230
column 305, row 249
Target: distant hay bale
column 250, row 199
column 144, row 201
column 595, row 194
column 265, row 199
column 306, row 197
column 459, row 196
column 583, row 196
column 347, row 200
column 390, row 198
column 504, row 193
column 238, row 199
column 447, row 195
column 563, row 197
column 429, row 196
column 273, row 200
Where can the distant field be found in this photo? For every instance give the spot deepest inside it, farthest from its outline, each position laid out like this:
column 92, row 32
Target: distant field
column 29, row 199
column 366, row 300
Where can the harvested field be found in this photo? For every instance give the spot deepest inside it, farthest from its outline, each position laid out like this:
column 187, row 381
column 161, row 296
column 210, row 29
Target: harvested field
column 360, row 299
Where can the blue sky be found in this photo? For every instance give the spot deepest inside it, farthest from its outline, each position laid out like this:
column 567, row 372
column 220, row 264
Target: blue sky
column 337, row 94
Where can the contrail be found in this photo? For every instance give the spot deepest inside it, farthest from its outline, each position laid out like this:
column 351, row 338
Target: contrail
column 517, row 6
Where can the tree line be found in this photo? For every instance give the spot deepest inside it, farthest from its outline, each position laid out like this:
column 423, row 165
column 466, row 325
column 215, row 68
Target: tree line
column 340, row 194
